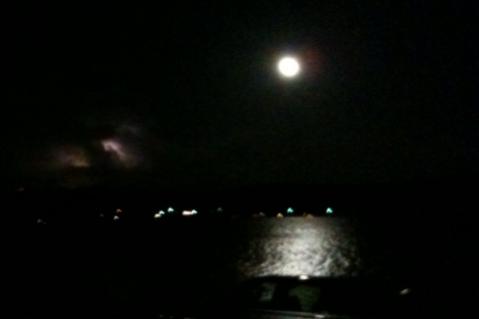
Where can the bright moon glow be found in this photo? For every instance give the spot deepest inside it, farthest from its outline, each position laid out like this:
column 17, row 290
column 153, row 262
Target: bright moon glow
column 289, row 67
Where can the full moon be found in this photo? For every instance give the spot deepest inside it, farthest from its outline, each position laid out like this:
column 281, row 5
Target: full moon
column 289, row 67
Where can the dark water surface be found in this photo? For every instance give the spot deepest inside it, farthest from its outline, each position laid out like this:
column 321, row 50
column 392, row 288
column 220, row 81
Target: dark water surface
column 182, row 262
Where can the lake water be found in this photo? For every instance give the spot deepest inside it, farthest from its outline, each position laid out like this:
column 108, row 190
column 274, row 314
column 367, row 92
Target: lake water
column 178, row 261
column 298, row 246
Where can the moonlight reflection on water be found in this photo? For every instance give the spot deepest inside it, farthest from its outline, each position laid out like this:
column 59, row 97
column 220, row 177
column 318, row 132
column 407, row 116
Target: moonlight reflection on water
column 299, row 246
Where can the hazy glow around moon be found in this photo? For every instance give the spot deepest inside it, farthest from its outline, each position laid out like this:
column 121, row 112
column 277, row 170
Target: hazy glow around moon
column 289, row 67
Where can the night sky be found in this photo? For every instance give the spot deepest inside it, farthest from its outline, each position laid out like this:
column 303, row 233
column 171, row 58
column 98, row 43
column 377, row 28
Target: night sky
column 190, row 94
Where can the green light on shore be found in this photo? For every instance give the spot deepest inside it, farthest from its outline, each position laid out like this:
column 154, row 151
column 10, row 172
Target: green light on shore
column 290, row 211
column 329, row 211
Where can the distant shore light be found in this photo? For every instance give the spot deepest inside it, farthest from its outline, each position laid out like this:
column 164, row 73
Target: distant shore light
column 189, row 212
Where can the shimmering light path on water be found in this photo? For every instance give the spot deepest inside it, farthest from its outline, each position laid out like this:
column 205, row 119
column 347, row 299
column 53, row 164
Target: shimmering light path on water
column 299, row 246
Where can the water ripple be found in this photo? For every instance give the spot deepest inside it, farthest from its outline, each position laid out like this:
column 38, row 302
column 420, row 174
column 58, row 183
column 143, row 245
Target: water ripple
column 299, row 246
